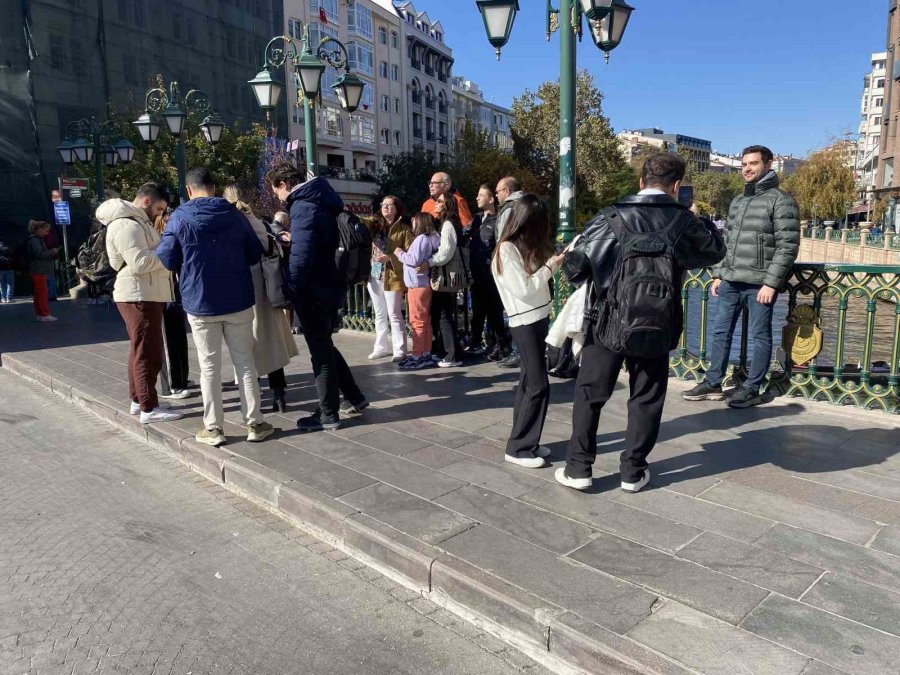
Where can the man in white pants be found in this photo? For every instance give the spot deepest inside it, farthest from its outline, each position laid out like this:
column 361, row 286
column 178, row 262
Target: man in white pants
column 212, row 246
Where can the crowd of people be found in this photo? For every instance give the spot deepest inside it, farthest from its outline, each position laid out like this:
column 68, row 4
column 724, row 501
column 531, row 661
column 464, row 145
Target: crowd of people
column 237, row 279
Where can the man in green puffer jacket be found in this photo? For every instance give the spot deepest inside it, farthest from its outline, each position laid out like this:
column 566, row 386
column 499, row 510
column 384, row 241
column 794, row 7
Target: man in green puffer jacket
column 762, row 238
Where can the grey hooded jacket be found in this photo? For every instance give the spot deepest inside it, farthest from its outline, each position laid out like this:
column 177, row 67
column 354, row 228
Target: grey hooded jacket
column 505, row 210
column 762, row 236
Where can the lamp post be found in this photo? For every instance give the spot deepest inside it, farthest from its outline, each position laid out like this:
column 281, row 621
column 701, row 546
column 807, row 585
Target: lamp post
column 172, row 110
column 606, row 20
column 86, row 140
column 309, row 63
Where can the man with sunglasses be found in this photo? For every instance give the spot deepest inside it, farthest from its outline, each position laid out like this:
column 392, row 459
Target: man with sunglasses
column 441, row 184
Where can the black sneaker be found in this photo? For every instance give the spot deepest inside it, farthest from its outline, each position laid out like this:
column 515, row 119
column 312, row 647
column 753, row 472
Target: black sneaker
column 472, row 350
column 704, row 392
column 347, row 407
column 511, row 361
column 316, row 423
column 496, row 354
column 745, row 398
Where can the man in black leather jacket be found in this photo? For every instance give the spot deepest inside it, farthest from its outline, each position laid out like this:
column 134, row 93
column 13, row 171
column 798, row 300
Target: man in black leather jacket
column 593, row 259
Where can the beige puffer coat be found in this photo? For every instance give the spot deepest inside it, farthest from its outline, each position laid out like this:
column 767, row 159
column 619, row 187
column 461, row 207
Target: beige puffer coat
column 131, row 243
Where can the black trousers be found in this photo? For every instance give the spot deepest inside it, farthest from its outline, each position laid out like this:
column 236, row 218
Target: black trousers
column 648, row 381
column 445, row 323
column 533, row 393
column 176, row 345
column 487, row 306
column 277, row 379
column 333, row 376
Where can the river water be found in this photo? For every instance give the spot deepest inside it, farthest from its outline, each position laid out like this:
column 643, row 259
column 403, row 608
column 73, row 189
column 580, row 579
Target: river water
column 854, row 335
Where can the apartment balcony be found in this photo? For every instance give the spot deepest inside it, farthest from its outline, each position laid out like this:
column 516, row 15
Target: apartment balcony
column 430, row 136
column 417, row 133
column 429, row 103
column 443, row 108
column 416, row 64
column 429, row 71
column 346, row 174
column 443, row 140
column 329, row 135
column 417, row 98
column 442, row 77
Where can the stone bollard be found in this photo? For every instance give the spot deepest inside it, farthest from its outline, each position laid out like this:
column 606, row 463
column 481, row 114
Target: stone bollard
column 888, row 240
column 863, row 236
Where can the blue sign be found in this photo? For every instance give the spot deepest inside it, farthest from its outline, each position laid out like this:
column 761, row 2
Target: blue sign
column 61, row 212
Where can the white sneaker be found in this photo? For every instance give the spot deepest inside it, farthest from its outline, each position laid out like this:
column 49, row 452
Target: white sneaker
column 444, row 363
column 378, row 355
column 176, row 394
column 542, row 451
column 136, row 407
column 527, row 462
column 160, row 415
column 641, row 484
column 574, row 483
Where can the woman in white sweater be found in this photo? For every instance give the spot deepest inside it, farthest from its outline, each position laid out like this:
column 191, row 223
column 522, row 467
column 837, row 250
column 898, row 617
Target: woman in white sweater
column 523, row 267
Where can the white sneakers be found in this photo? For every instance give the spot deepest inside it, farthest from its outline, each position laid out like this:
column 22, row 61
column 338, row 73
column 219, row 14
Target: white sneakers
column 379, row 355
column 535, row 462
column 136, row 407
column 160, row 415
column 177, row 394
column 585, row 483
column 45, row 319
column 637, row 487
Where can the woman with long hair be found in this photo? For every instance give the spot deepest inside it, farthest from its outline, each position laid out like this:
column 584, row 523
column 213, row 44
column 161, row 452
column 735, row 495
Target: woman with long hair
column 273, row 343
column 425, row 243
column 390, row 231
column 523, row 266
column 486, row 303
column 443, row 303
column 40, row 267
column 175, row 331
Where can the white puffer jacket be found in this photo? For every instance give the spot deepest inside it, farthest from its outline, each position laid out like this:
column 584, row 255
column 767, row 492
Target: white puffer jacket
column 131, row 242
column 526, row 297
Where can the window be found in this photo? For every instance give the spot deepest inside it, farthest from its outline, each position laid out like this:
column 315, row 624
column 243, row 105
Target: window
column 880, row 84
column 879, row 102
column 361, row 58
column 877, row 121
column 395, row 73
column 330, row 122
column 296, row 114
column 383, row 69
column 359, row 19
column 367, row 101
column 439, row 36
column 382, row 35
column 397, row 138
column 386, row 136
column 395, row 40
column 329, row 79
column 362, row 129
column 385, row 103
column 330, row 7
column 318, row 31
column 397, row 105
column 295, row 29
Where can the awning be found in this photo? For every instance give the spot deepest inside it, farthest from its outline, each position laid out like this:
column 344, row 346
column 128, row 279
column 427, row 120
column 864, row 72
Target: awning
column 858, row 208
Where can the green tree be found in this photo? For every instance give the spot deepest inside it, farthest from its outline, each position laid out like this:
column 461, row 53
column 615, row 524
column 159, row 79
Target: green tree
column 603, row 174
column 406, row 175
column 824, row 186
column 713, row 192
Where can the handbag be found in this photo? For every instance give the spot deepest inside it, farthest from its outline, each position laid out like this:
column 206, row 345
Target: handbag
column 276, row 287
column 453, row 277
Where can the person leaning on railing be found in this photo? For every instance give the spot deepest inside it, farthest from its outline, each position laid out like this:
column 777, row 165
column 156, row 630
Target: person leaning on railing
column 763, row 239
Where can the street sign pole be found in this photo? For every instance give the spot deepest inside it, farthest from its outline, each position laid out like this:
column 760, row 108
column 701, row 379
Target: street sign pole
column 64, row 219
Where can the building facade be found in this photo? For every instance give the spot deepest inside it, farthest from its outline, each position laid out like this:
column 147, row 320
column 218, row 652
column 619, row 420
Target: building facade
column 469, row 107
column 67, row 60
column 696, row 150
column 887, row 182
column 428, row 73
column 872, row 117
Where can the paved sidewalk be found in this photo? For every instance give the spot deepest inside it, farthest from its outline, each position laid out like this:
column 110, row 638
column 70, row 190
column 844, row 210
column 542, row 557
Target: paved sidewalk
column 769, row 541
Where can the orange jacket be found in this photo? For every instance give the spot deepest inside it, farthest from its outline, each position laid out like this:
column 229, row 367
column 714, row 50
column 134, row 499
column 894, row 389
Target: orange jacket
column 465, row 216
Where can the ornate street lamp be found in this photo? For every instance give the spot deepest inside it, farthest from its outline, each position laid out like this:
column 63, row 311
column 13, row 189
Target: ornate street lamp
column 125, row 150
column 110, row 156
column 309, row 63
column 607, row 20
column 66, row 152
column 84, row 150
column 498, row 16
column 174, row 110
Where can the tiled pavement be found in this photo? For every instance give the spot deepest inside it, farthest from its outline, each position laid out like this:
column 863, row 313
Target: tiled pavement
column 769, row 541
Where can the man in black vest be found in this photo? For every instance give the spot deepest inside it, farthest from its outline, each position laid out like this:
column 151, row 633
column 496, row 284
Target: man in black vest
column 694, row 243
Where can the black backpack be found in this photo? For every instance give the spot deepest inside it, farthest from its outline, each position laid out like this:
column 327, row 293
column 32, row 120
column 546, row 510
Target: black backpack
column 353, row 255
column 92, row 259
column 20, row 258
column 639, row 315
column 561, row 362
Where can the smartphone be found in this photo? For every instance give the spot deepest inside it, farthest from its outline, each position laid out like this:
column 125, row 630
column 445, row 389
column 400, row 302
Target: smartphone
column 686, row 195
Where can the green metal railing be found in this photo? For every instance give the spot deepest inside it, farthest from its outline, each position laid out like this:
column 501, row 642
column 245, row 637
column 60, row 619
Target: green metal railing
column 859, row 312
column 855, row 296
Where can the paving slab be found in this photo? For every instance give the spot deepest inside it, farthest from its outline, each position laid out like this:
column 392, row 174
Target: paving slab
column 833, row 555
column 506, row 481
column 828, row 638
column 519, row 519
column 609, row 602
column 888, row 540
column 753, row 564
column 792, row 512
column 707, row 590
column 857, row 600
column 406, row 475
column 711, row 646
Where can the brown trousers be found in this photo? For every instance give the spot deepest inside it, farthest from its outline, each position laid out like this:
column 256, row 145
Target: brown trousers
column 143, row 321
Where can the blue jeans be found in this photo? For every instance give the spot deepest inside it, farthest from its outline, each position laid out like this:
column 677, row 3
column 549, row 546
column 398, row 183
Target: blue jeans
column 733, row 297
column 7, row 280
column 51, row 284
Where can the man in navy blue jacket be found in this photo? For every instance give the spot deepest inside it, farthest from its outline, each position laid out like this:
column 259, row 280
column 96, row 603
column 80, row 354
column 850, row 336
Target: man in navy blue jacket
column 318, row 292
column 212, row 246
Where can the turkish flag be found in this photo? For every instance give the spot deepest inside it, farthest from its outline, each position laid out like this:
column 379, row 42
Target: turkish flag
column 322, row 16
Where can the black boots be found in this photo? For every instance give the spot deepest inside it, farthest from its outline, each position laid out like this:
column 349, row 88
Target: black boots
column 279, row 403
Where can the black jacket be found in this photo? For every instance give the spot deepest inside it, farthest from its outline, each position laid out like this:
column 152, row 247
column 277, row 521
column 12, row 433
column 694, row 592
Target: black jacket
column 594, row 256
column 482, row 237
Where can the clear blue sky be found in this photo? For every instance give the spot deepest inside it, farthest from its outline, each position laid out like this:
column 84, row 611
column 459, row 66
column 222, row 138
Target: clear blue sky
column 787, row 74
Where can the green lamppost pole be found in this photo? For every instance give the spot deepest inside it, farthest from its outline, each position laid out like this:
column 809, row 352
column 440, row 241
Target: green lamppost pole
column 308, row 64
column 87, row 140
column 606, row 20
column 174, row 110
